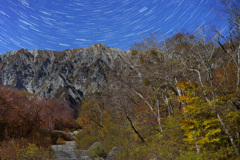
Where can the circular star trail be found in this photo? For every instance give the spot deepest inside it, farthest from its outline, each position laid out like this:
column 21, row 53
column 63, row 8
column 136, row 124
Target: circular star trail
column 65, row 24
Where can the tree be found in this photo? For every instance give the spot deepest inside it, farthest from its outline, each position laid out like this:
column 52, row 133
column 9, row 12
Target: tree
column 24, row 114
column 232, row 9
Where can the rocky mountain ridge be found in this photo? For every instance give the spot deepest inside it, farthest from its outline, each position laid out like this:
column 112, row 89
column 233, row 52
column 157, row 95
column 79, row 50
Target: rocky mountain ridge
column 67, row 74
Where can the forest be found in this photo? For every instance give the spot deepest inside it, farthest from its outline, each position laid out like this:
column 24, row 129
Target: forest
column 178, row 99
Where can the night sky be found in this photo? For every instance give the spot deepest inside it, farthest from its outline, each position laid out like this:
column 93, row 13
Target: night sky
column 65, row 24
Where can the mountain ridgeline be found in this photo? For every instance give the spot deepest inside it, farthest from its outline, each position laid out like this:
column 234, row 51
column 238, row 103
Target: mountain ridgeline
column 67, row 74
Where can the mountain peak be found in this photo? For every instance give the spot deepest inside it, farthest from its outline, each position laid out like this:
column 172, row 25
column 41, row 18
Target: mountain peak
column 99, row 47
column 64, row 74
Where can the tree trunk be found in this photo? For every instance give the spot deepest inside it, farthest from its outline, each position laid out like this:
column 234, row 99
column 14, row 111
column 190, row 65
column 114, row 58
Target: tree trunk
column 229, row 135
column 159, row 116
column 196, row 144
column 130, row 121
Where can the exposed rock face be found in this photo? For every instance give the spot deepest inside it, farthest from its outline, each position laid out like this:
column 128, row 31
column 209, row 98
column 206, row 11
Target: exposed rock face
column 66, row 74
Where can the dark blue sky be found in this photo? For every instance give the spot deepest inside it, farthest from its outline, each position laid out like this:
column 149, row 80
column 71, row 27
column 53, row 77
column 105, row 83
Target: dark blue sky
column 65, row 24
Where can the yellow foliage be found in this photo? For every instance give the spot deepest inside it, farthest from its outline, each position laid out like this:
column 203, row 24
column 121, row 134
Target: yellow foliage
column 61, row 141
column 26, row 93
column 134, row 52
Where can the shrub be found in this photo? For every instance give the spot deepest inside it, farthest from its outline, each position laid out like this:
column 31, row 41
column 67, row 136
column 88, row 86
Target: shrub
column 134, row 52
column 96, row 151
column 9, row 149
column 85, row 139
column 33, row 152
column 22, row 150
column 61, row 141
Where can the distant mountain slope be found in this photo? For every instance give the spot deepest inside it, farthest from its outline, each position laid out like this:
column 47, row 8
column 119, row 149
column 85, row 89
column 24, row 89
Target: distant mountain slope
column 67, row 74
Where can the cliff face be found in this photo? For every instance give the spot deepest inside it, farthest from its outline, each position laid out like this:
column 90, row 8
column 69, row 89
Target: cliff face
column 67, row 74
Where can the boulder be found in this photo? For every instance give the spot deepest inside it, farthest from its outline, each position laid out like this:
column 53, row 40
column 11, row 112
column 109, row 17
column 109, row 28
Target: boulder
column 112, row 153
column 96, row 150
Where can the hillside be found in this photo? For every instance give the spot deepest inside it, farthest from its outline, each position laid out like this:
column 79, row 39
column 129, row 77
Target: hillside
column 67, row 74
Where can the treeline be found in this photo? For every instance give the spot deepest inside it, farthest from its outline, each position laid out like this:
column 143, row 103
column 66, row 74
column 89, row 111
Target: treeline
column 27, row 123
column 179, row 99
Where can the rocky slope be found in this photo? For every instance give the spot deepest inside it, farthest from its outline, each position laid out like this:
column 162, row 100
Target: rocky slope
column 67, row 74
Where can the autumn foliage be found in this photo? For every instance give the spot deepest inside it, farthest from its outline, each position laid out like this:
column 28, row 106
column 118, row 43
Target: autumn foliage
column 180, row 100
column 32, row 119
column 23, row 113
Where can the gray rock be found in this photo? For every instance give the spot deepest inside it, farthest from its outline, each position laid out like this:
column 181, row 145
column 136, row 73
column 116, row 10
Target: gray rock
column 96, row 150
column 68, row 152
column 112, row 153
column 65, row 151
column 65, row 74
column 95, row 144
column 80, row 153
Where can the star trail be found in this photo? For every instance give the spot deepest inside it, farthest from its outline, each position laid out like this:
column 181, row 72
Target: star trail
column 65, row 24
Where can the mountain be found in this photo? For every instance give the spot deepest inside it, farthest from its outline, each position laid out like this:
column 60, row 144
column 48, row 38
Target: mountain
column 67, row 74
